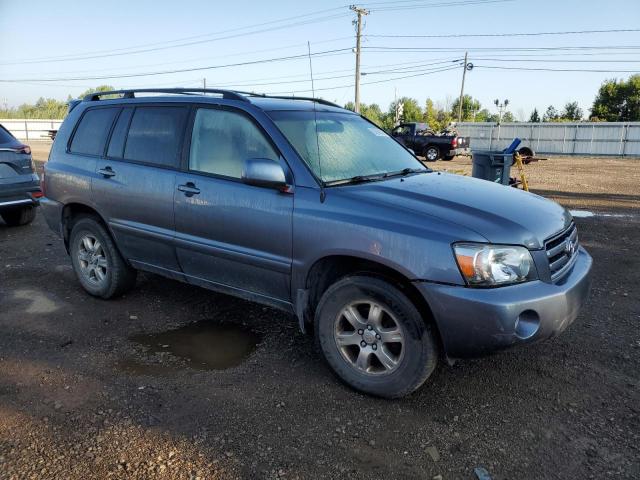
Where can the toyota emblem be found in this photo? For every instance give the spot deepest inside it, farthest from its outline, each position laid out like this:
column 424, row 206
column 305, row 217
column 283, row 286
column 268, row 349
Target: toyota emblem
column 569, row 248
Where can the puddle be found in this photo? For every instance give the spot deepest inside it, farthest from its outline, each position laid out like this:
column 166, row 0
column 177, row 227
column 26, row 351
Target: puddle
column 205, row 345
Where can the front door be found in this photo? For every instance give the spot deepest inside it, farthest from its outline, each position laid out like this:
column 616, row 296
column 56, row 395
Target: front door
column 228, row 233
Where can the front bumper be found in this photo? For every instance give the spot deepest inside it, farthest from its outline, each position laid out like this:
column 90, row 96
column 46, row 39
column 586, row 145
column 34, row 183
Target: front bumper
column 474, row 322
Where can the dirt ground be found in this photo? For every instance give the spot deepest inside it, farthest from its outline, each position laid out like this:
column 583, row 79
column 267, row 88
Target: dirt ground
column 87, row 391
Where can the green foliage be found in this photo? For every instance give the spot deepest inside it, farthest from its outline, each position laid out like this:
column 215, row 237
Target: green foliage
column 43, row 108
column 101, row 88
column 485, row 115
column 46, row 108
column 551, row 115
column 535, row 116
column 372, row 112
column 469, row 107
column 572, row 112
column 618, row 101
column 411, row 110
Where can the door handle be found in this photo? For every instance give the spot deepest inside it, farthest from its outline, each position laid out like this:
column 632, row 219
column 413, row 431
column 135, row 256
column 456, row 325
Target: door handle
column 106, row 172
column 189, row 189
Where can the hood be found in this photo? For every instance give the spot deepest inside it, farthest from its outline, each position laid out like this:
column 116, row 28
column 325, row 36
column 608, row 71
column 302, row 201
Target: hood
column 499, row 213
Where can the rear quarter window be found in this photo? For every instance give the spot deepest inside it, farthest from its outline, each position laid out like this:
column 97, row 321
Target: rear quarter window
column 91, row 135
column 155, row 135
column 5, row 136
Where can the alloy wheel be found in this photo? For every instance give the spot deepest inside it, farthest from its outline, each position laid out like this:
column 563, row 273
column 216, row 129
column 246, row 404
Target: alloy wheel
column 369, row 337
column 92, row 259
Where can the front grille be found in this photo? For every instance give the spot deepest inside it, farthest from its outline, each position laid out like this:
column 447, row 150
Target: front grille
column 561, row 251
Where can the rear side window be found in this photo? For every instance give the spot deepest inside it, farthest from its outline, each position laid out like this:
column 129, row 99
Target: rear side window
column 119, row 135
column 5, row 136
column 155, row 134
column 91, row 134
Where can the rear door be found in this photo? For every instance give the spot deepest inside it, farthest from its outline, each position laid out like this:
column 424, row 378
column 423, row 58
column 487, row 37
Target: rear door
column 134, row 183
column 228, row 233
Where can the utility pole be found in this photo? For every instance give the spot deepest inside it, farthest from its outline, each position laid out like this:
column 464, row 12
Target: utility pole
column 464, row 74
column 204, row 83
column 359, row 12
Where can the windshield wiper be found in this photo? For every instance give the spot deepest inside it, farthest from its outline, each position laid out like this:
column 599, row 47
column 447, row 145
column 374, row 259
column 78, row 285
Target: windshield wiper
column 405, row 171
column 356, row 179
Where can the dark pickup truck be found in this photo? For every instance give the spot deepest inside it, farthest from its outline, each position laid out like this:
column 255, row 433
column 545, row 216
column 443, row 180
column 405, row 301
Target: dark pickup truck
column 419, row 138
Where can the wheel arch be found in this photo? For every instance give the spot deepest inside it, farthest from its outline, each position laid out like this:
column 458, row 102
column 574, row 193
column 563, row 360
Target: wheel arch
column 74, row 210
column 329, row 269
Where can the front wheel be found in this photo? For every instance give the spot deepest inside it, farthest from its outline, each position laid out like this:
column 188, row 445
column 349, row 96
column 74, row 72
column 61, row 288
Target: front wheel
column 19, row 216
column 374, row 338
column 432, row 153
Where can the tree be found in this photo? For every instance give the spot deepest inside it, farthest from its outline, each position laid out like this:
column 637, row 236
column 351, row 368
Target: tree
column 411, row 110
column 508, row 117
column 535, row 117
column 469, row 107
column 551, row 115
column 572, row 112
column 372, row 112
column 101, row 88
column 485, row 115
column 618, row 101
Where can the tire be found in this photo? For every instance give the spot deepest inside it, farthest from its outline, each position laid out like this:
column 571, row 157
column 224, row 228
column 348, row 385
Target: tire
column 19, row 216
column 448, row 157
column 431, row 153
column 100, row 268
column 407, row 352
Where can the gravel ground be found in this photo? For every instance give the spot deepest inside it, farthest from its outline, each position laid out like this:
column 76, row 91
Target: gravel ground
column 80, row 399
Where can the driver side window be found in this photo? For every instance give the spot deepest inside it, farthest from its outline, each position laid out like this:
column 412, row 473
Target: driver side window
column 222, row 140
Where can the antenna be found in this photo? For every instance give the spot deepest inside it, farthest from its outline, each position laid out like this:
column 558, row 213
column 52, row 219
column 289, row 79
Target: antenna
column 315, row 121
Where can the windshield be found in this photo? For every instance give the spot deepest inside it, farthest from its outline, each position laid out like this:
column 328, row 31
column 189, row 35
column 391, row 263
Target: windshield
column 349, row 146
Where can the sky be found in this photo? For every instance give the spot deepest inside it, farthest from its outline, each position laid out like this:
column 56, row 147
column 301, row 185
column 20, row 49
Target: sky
column 48, row 49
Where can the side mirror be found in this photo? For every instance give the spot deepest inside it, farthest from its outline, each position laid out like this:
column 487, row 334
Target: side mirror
column 264, row 172
column 412, row 151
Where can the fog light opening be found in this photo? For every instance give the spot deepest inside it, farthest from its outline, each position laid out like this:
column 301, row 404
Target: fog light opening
column 527, row 324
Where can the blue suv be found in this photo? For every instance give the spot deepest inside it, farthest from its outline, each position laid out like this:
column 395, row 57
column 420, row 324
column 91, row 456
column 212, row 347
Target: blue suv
column 299, row 204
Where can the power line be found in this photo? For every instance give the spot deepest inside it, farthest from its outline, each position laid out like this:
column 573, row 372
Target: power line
column 500, row 49
column 337, row 51
column 246, row 52
column 541, row 69
column 130, row 51
column 515, row 34
column 436, row 5
column 429, row 72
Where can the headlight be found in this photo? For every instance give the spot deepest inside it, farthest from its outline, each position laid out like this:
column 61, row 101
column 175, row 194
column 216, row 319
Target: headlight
column 492, row 265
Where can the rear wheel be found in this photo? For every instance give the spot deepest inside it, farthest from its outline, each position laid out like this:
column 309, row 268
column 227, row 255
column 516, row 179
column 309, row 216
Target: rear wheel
column 374, row 338
column 432, row 153
column 19, row 216
column 99, row 266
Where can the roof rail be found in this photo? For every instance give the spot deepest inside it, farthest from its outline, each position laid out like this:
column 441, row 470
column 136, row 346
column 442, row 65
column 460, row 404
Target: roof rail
column 130, row 93
column 285, row 97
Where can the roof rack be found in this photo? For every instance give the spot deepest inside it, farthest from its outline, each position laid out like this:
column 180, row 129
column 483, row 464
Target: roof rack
column 130, row 93
column 226, row 94
column 286, row 97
